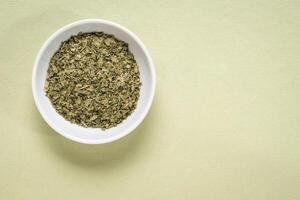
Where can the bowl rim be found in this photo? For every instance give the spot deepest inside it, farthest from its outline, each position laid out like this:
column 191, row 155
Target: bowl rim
column 132, row 126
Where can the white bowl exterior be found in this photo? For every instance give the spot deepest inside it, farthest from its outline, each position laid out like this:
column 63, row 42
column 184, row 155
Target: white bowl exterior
column 73, row 131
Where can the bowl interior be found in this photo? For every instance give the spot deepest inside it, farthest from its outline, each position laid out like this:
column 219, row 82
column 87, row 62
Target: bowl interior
column 73, row 131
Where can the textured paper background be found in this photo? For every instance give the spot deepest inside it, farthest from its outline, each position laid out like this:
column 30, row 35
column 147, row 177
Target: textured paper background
column 225, row 123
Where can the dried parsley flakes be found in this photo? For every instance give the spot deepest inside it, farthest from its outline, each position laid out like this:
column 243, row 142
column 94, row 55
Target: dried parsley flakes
column 93, row 80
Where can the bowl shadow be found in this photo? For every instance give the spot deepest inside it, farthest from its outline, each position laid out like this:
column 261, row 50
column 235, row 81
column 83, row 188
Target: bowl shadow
column 105, row 156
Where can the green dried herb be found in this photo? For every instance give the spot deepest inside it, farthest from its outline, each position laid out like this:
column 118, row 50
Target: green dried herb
column 93, row 80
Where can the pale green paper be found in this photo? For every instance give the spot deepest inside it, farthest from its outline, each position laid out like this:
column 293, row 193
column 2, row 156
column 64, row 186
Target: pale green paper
column 225, row 123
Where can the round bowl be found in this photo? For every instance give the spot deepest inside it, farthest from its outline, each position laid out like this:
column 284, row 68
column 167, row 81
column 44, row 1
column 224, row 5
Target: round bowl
column 93, row 135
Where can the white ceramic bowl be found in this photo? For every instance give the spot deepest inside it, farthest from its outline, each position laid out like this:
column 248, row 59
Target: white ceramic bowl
column 93, row 135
